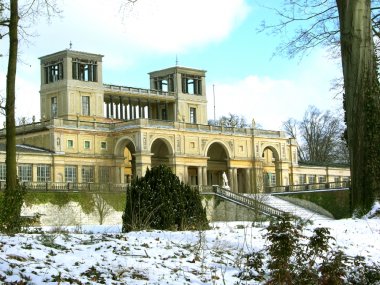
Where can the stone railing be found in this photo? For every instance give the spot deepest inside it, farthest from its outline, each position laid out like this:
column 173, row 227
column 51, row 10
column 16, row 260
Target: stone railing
column 142, row 122
column 70, row 187
column 341, row 185
column 134, row 90
column 240, row 199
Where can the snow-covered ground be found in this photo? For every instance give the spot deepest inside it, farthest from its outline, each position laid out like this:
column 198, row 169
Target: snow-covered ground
column 103, row 255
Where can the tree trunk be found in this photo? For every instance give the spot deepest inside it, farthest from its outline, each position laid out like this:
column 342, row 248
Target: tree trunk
column 361, row 100
column 11, row 176
column 10, row 220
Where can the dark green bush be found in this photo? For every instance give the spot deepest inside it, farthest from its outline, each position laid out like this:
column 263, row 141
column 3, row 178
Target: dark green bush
column 10, row 210
column 293, row 258
column 159, row 200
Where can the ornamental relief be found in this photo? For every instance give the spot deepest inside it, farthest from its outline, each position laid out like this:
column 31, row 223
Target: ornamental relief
column 179, row 145
column 203, row 144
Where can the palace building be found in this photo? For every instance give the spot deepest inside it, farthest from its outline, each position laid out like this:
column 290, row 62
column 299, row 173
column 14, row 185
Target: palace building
column 91, row 132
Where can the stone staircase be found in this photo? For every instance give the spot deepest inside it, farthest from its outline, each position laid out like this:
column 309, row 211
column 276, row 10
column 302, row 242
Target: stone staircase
column 267, row 204
column 291, row 208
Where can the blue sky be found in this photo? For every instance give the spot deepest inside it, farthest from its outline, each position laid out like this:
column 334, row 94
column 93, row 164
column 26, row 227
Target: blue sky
column 219, row 36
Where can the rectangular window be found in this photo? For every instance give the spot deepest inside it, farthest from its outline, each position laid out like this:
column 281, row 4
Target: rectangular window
column 104, row 174
column 87, row 174
column 53, row 71
column 3, row 171
column 270, row 179
column 321, row 179
column 70, row 143
column 103, row 145
column 191, row 84
column 85, row 70
column 43, row 173
column 311, row 179
column 165, row 84
column 70, row 173
column 25, row 172
column 86, row 105
column 164, row 114
column 302, row 179
column 193, row 115
column 87, row 144
column 54, row 107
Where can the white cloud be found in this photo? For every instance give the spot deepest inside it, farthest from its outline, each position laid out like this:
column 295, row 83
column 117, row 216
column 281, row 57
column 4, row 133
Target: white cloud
column 272, row 101
column 167, row 26
column 175, row 25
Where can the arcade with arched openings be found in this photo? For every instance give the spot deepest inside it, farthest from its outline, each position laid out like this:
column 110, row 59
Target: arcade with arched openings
column 271, row 171
column 161, row 153
column 126, row 149
column 217, row 163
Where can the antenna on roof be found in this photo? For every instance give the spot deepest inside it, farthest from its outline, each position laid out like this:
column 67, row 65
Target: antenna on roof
column 71, row 44
column 213, row 92
column 176, row 60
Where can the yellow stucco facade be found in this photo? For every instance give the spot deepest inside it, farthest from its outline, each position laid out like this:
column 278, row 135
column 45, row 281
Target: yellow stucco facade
column 100, row 133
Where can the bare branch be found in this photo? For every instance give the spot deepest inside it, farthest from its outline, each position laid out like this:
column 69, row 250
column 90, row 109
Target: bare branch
column 314, row 23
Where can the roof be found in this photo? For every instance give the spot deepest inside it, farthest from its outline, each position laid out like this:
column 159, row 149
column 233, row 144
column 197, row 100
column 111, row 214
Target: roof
column 72, row 53
column 26, row 149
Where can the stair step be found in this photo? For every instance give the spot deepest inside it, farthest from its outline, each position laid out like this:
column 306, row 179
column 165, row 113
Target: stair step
column 291, row 208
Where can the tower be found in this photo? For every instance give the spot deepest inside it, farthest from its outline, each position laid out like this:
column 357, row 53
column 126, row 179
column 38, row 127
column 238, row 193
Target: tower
column 189, row 88
column 71, row 85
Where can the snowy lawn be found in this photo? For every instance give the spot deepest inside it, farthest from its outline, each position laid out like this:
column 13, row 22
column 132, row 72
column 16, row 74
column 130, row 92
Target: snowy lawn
column 103, row 255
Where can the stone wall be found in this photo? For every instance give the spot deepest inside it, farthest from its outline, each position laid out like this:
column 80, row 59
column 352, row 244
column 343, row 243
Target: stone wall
column 219, row 209
column 72, row 213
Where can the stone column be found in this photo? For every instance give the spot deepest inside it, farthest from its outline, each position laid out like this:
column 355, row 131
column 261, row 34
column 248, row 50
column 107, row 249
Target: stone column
column 121, row 108
column 143, row 161
column 235, row 179
column 130, row 109
column 139, row 108
column 149, row 110
column 158, row 110
column 107, row 109
column 247, row 178
column 96, row 174
column 111, row 108
column 185, row 175
column 117, row 111
column 79, row 174
column 126, row 112
column 34, row 172
column 230, row 179
column 200, row 180
column 258, row 176
column 204, row 175
column 282, row 173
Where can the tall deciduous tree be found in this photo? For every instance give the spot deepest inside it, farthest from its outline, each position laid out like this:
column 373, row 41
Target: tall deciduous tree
column 12, row 201
column 354, row 26
column 319, row 135
column 231, row 120
column 361, row 100
column 11, row 205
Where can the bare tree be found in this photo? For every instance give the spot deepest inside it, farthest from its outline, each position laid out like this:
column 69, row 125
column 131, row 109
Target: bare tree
column 351, row 29
column 11, row 13
column 319, row 136
column 101, row 207
column 231, row 120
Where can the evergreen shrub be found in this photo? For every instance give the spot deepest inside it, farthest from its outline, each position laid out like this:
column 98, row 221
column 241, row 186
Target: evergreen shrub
column 10, row 210
column 293, row 258
column 159, row 200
